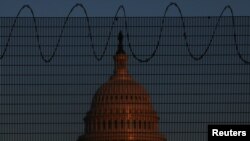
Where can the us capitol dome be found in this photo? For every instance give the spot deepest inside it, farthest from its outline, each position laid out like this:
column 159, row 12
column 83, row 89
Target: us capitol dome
column 121, row 109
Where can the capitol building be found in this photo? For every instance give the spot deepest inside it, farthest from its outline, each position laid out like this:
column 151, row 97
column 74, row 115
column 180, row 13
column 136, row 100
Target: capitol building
column 121, row 109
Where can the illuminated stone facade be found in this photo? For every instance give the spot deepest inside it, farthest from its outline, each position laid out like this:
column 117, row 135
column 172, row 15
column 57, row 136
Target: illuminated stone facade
column 121, row 109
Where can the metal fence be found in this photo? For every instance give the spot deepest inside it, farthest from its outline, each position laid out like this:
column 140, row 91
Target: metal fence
column 196, row 70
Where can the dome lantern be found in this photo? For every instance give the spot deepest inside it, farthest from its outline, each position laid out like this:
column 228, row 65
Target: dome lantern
column 121, row 59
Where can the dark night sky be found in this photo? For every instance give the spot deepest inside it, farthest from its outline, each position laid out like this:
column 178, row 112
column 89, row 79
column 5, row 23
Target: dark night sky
column 133, row 7
column 168, row 93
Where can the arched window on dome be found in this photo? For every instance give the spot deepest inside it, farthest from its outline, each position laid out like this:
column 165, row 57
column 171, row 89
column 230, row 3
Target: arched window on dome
column 93, row 125
column 134, row 124
column 128, row 124
column 116, row 126
column 122, row 122
column 104, row 125
column 98, row 125
column 110, row 124
column 145, row 125
column 139, row 124
column 149, row 125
